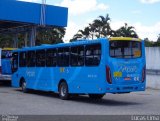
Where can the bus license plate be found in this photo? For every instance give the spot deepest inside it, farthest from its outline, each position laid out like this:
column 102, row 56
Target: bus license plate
column 127, row 78
column 117, row 74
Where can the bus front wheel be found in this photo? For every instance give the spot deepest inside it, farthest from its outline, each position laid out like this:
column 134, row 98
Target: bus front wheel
column 63, row 91
column 96, row 96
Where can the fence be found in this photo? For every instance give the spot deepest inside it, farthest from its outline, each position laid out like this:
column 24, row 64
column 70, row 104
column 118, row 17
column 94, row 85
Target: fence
column 153, row 67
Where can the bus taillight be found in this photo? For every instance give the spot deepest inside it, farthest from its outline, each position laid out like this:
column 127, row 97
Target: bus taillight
column 108, row 75
column 144, row 74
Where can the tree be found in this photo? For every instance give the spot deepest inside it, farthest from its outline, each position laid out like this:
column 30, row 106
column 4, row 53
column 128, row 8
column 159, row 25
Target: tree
column 85, row 33
column 105, row 22
column 76, row 37
column 126, row 31
column 157, row 43
column 98, row 28
column 148, row 43
column 158, row 40
column 50, row 35
column 102, row 26
column 81, row 34
column 6, row 41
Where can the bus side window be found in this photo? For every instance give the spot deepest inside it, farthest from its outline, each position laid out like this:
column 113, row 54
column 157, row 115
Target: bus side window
column 31, row 58
column 63, row 56
column 15, row 62
column 60, row 57
column 22, row 59
column 80, row 55
column 93, row 55
column 66, row 55
column 73, row 56
column 51, row 57
column 40, row 58
column 77, row 56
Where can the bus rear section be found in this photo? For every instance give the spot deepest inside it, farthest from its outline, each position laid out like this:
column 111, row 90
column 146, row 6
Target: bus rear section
column 126, row 65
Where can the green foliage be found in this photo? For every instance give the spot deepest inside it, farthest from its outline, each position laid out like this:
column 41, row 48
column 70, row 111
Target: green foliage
column 126, row 31
column 6, row 41
column 44, row 36
column 50, row 35
column 148, row 43
column 101, row 28
column 98, row 28
column 158, row 40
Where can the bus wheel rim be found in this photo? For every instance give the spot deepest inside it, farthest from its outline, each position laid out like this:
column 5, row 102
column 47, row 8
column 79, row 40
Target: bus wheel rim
column 63, row 90
column 24, row 85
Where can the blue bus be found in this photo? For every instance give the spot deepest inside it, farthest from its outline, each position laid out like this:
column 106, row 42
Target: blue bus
column 5, row 64
column 93, row 67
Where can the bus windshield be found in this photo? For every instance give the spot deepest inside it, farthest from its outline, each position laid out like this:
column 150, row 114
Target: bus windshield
column 125, row 49
column 6, row 54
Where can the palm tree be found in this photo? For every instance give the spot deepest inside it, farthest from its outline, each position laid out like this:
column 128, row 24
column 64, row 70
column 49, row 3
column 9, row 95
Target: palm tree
column 81, row 34
column 85, row 32
column 93, row 29
column 103, row 26
column 126, row 31
column 76, row 36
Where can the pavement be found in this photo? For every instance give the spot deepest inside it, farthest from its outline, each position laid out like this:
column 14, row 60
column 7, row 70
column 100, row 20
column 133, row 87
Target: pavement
column 14, row 101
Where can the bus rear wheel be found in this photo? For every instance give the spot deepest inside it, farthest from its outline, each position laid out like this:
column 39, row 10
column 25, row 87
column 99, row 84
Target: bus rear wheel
column 63, row 91
column 23, row 86
column 96, row 96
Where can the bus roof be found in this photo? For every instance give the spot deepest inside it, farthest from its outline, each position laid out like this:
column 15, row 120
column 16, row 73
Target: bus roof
column 125, row 38
column 76, row 43
column 8, row 48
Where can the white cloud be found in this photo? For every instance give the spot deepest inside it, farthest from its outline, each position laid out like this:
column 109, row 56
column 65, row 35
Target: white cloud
column 77, row 7
column 102, row 6
column 117, row 24
column 143, row 31
column 71, row 30
column 149, row 1
column 150, row 32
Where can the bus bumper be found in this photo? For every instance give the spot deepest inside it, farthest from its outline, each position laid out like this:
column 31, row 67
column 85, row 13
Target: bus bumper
column 5, row 77
column 125, row 88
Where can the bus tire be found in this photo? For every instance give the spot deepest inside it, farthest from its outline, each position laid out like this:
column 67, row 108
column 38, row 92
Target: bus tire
column 96, row 96
column 23, row 86
column 63, row 91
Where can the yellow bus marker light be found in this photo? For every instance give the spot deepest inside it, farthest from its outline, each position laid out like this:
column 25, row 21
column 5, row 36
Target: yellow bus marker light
column 117, row 74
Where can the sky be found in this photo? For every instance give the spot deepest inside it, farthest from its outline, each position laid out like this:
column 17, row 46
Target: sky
column 144, row 15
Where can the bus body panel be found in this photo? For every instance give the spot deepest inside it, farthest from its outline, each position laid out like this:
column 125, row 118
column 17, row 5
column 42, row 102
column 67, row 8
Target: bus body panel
column 6, row 66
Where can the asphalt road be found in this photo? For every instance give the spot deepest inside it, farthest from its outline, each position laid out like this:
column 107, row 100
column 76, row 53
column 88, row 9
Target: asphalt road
column 13, row 101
